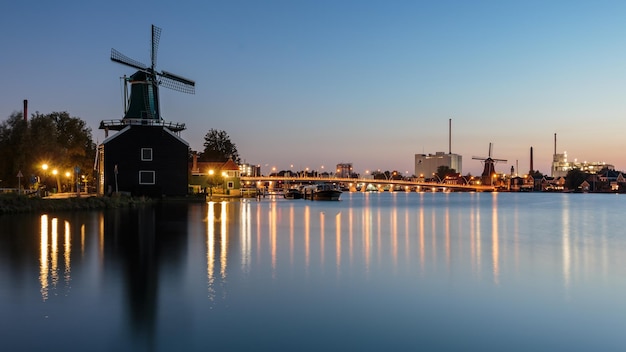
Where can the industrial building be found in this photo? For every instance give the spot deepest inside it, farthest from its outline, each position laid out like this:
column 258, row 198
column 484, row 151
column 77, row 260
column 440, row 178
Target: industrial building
column 426, row 165
column 560, row 165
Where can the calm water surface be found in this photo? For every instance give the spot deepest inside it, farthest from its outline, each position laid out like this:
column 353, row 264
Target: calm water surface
column 373, row 272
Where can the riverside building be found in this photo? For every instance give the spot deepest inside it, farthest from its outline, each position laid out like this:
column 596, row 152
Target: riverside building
column 426, row 165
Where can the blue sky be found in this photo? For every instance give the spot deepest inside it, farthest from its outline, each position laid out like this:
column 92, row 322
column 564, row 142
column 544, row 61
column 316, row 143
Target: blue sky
column 312, row 83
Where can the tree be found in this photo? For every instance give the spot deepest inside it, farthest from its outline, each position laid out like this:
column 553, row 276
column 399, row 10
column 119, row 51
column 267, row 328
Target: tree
column 61, row 141
column 574, row 178
column 443, row 171
column 379, row 175
column 218, row 147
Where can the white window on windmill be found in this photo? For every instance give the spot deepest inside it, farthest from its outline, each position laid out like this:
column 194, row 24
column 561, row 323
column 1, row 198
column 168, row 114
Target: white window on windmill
column 147, row 177
column 146, row 154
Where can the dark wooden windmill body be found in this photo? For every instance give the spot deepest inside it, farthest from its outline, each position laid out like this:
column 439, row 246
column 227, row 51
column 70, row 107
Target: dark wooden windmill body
column 489, row 169
column 146, row 156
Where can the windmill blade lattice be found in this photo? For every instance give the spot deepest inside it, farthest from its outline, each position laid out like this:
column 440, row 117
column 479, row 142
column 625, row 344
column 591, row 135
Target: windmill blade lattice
column 176, row 82
column 156, row 37
column 125, row 60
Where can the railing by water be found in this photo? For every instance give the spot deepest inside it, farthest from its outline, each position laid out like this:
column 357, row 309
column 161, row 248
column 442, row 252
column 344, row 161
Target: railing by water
column 366, row 181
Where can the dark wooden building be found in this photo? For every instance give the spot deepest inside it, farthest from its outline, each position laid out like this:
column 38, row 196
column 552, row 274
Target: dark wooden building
column 143, row 160
column 146, row 157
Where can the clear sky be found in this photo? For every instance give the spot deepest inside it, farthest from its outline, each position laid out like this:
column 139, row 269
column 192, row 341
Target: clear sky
column 312, row 83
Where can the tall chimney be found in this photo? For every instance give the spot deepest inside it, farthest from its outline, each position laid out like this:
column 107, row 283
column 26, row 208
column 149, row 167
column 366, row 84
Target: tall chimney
column 555, row 144
column 25, row 110
column 531, row 160
column 194, row 162
column 449, row 136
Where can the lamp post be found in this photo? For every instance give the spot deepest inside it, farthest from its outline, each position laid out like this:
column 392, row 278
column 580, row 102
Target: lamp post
column 44, row 167
column 211, row 172
column 69, row 181
column 224, row 176
column 55, row 172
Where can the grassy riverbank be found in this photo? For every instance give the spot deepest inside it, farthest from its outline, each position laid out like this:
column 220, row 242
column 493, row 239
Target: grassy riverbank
column 13, row 203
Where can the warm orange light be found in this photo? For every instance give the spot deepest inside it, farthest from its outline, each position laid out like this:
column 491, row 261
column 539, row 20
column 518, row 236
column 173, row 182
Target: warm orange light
column 211, row 172
column 44, row 167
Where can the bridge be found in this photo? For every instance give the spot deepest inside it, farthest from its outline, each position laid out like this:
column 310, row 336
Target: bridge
column 352, row 183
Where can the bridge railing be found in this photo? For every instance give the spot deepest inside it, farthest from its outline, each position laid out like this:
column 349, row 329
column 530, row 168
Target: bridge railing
column 344, row 180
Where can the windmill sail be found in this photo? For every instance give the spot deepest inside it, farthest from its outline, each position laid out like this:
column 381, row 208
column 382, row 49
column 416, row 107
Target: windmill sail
column 144, row 104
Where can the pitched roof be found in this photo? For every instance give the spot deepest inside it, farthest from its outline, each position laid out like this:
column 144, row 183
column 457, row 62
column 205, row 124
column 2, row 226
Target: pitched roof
column 203, row 166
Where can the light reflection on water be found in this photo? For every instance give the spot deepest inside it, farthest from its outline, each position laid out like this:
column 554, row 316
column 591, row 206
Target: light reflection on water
column 434, row 261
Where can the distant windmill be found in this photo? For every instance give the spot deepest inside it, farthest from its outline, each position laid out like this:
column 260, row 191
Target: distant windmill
column 144, row 96
column 489, row 169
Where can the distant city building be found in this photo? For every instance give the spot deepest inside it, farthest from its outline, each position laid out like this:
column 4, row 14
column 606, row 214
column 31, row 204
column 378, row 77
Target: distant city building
column 560, row 165
column 426, row 165
column 344, row 170
column 249, row 170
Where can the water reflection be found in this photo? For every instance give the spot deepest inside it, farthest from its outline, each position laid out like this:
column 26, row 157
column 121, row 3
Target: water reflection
column 566, row 245
column 155, row 269
column 49, row 254
column 210, row 249
column 67, row 251
column 429, row 237
column 246, row 236
column 495, row 241
column 43, row 257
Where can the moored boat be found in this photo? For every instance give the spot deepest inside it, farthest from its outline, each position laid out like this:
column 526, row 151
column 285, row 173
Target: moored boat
column 293, row 193
column 322, row 191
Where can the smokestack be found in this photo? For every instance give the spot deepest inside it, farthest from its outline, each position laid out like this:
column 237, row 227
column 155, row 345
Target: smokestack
column 555, row 144
column 449, row 136
column 25, row 110
column 531, row 159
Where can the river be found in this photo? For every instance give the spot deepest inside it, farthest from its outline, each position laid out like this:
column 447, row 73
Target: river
column 372, row 272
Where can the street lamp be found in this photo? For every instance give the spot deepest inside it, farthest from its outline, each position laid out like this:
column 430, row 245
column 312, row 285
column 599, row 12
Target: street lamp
column 69, row 182
column 225, row 176
column 211, row 172
column 55, row 172
column 44, row 167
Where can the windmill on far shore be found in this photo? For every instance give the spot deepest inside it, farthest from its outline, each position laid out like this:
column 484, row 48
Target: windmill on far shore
column 489, row 167
column 143, row 105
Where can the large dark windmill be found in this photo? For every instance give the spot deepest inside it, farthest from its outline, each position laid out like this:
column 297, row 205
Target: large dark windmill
column 489, row 170
column 146, row 156
column 143, row 104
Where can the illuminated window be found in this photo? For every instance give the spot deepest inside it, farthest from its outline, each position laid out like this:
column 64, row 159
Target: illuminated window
column 147, row 177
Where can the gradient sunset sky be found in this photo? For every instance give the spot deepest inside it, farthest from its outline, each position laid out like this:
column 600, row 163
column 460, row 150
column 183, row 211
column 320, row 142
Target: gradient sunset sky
column 312, row 83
